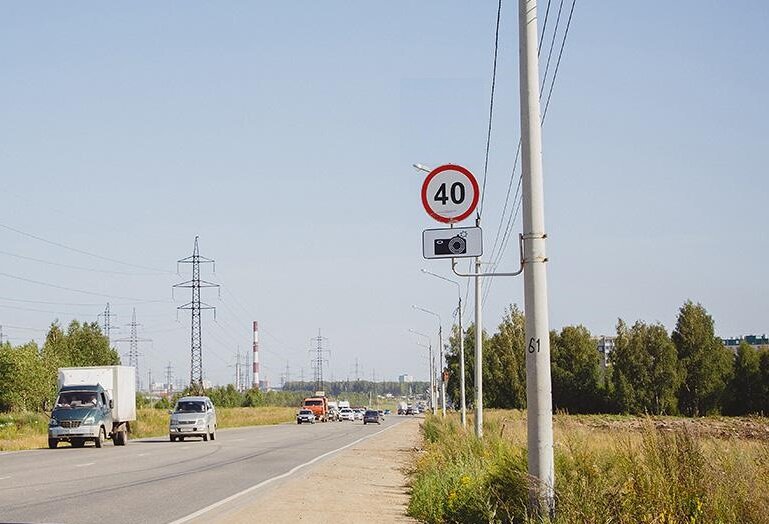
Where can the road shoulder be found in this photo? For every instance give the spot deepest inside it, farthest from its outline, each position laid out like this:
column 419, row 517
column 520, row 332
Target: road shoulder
column 364, row 483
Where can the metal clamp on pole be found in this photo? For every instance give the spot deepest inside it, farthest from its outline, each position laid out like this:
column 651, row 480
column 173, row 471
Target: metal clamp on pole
column 515, row 274
column 532, row 236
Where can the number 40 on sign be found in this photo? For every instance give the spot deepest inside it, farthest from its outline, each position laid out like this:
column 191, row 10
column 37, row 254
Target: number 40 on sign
column 450, row 193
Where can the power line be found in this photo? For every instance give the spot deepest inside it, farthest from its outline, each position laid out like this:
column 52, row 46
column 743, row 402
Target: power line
column 497, row 254
column 552, row 45
column 74, row 290
column 544, row 28
column 558, row 63
column 80, row 268
column 491, row 106
column 82, row 252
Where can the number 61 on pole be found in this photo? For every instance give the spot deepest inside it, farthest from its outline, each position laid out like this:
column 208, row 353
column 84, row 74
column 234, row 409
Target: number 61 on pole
column 450, row 193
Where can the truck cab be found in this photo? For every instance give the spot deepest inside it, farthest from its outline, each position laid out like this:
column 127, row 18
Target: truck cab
column 81, row 414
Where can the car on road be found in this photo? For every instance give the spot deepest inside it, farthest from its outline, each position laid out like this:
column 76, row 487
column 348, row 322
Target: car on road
column 346, row 414
column 359, row 413
column 372, row 417
column 412, row 410
column 387, row 412
column 192, row 417
column 305, row 416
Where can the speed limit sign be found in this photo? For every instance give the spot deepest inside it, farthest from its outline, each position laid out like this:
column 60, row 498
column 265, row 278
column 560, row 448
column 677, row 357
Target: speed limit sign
column 450, row 193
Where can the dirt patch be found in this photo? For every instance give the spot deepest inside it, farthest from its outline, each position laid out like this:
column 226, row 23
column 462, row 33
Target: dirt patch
column 749, row 428
column 364, row 483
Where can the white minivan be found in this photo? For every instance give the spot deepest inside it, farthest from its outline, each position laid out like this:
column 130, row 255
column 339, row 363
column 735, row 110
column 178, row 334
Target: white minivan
column 192, row 417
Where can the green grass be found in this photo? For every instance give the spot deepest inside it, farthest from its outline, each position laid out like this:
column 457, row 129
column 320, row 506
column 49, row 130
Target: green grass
column 29, row 430
column 647, row 473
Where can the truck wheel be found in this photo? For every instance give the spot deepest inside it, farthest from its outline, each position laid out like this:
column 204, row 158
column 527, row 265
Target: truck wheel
column 102, row 435
column 298, row 421
column 119, row 438
column 53, row 442
column 213, row 434
column 172, row 438
column 205, row 436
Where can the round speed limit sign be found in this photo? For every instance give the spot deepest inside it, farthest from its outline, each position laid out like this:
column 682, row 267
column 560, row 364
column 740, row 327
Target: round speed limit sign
column 450, row 193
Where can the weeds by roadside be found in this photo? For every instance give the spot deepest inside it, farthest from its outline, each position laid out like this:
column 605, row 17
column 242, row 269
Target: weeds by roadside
column 640, row 475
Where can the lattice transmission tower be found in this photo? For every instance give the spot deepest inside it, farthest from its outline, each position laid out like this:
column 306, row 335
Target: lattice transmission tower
column 318, row 361
column 133, row 346
column 196, row 306
column 106, row 325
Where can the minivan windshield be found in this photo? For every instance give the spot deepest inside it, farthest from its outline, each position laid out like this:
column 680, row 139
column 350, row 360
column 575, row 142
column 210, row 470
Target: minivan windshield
column 190, row 407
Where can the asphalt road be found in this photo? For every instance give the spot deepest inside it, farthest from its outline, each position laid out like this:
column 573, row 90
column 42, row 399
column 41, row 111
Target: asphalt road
column 157, row 481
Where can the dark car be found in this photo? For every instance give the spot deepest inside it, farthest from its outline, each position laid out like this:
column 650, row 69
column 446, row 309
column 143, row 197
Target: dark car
column 372, row 416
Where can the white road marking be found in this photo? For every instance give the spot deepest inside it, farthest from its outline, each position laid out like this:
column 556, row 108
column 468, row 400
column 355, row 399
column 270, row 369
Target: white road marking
column 237, row 440
column 143, row 454
column 273, row 479
column 84, row 465
column 3, row 478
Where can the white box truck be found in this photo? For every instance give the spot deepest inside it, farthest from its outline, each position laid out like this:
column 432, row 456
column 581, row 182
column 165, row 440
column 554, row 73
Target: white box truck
column 93, row 404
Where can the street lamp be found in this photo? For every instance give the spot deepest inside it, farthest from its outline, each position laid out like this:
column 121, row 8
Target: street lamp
column 461, row 346
column 440, row 342
column 429, row 347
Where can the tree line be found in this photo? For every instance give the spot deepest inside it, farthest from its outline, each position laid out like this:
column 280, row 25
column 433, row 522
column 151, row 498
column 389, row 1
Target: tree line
column 28, row 372
column 687, row 371
column 28, row 375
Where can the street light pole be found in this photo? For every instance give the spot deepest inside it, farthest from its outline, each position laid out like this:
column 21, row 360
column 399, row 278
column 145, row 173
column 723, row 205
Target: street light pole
column 440, row 341
column 431, row 365
column 478, row 353
column 463, row 399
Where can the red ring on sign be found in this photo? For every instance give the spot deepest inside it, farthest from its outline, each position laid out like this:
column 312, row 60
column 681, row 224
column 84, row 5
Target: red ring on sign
column 473, row 182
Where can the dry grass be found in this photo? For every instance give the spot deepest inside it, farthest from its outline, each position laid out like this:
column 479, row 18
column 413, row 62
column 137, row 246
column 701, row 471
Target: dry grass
column 29, row 430
column 608, row 469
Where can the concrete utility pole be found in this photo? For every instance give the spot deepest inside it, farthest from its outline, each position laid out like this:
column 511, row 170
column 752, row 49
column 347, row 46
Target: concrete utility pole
column 478, row 352
column 538, row 386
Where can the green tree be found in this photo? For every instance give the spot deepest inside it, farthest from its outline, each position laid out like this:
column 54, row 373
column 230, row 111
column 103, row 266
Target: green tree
column 81, row 345
column 746, row 391
column 504, row 363
column 706, row 364
column 576, row 371
column 644, row 369
column 504, row 367
column 25, row 378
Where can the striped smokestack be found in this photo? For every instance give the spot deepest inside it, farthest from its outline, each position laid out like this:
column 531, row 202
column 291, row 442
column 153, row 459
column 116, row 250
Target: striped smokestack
column 256, row 355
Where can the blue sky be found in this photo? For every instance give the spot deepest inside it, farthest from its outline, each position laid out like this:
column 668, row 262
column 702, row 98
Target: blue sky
column 283, row 135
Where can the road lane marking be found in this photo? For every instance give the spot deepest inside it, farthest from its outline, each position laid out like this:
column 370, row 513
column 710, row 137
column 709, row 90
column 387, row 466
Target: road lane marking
column 84, row 465
column 143, row 454
column 3, row 478
column 288, row 473
column 236, row 440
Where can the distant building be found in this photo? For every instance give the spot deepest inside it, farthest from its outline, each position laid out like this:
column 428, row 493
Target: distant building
column 605, row 345
column 264, row 385
column 405, row 379
column 760, row 343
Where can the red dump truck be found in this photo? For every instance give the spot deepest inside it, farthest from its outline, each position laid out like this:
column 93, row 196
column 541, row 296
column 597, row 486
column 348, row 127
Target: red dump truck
column 318, row 404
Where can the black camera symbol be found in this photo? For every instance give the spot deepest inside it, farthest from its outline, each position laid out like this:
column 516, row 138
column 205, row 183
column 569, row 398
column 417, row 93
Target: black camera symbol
column 455, row 245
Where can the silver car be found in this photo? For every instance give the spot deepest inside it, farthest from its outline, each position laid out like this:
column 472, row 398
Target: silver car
column 192, row 417
column 305, row 416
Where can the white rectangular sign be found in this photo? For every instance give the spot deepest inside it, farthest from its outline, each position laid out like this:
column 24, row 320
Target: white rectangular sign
column 455, row 242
